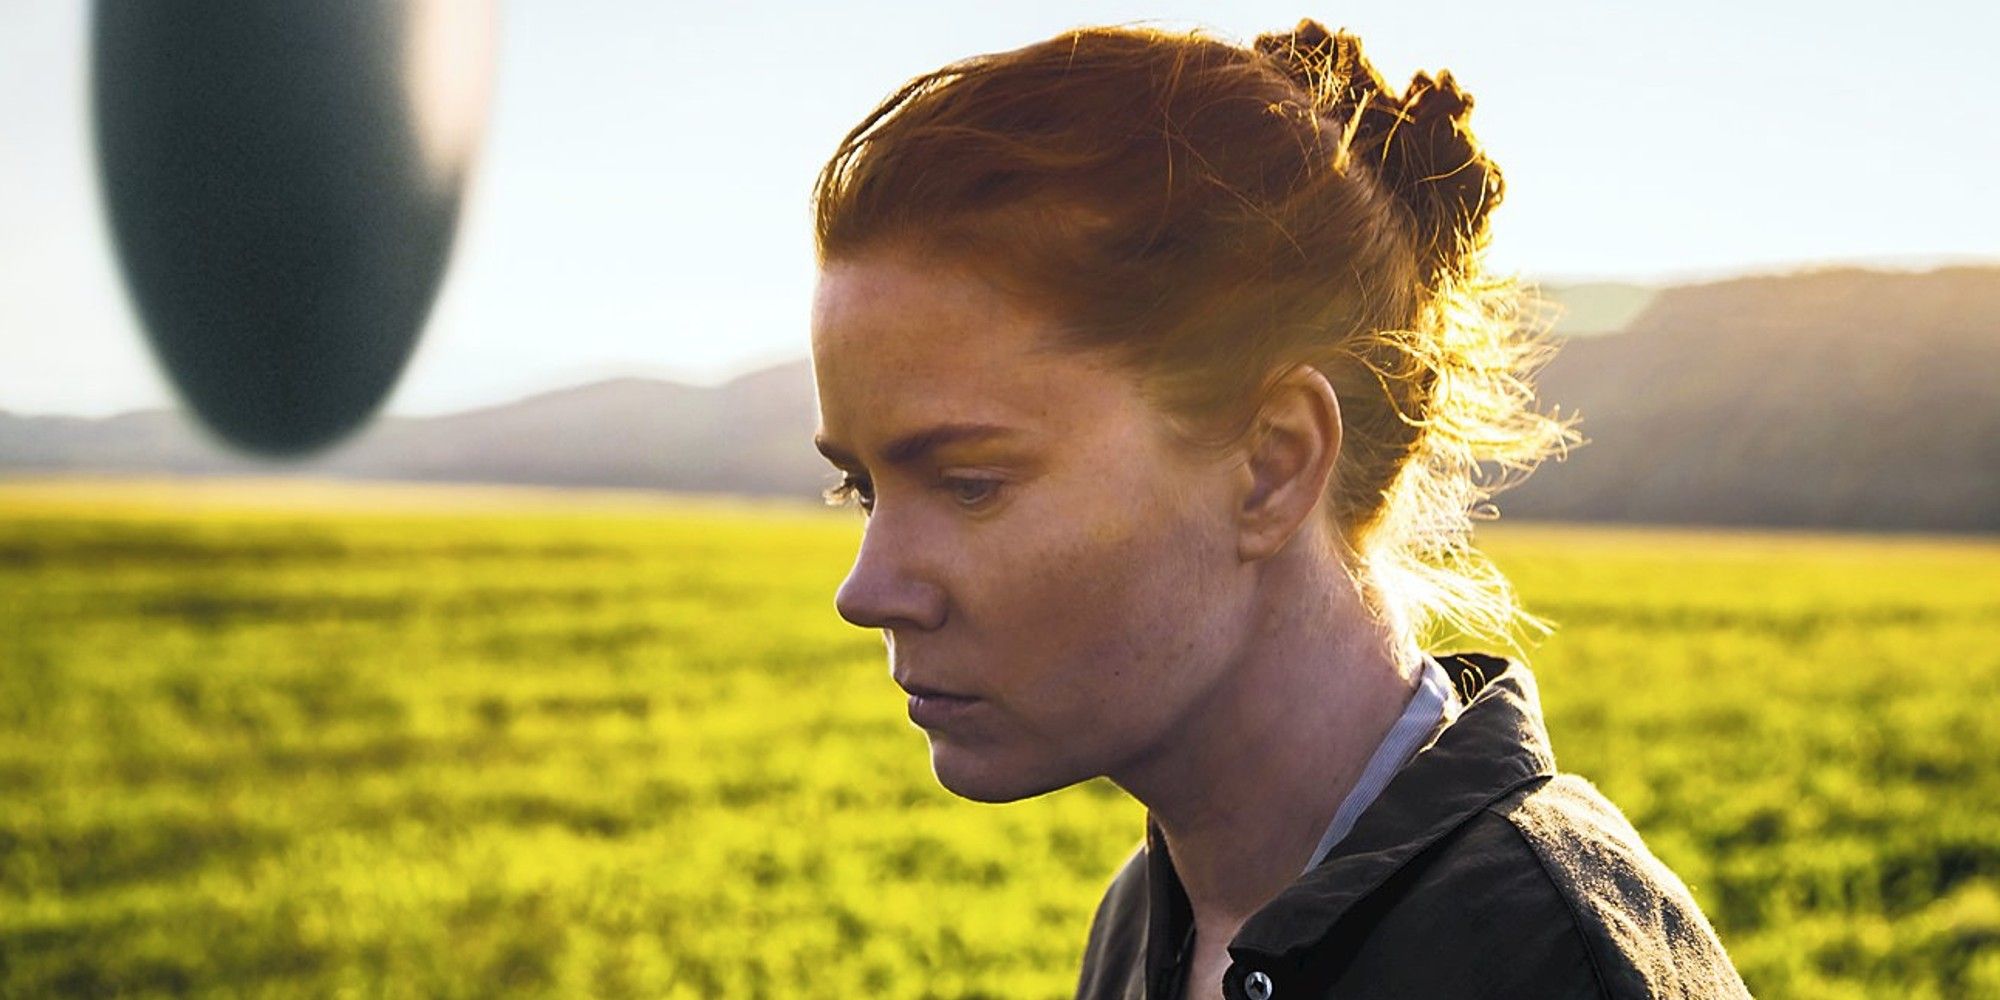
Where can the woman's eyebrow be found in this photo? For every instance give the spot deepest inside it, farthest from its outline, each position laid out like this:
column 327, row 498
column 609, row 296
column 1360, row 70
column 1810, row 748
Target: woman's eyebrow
column 914, row 447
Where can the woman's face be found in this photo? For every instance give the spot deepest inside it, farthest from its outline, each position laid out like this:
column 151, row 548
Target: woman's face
column 1055, row 576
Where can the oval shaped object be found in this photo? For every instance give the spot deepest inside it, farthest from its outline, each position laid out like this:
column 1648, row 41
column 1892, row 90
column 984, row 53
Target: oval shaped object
column 283, row 183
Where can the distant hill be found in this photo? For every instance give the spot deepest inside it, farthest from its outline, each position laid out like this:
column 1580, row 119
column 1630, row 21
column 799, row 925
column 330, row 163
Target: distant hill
column 1588, row 308
column 749, row 436
column 1840, row 398
column 1837, row 398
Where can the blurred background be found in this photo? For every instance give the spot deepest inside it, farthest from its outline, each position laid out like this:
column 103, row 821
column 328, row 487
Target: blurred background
column 534, row 685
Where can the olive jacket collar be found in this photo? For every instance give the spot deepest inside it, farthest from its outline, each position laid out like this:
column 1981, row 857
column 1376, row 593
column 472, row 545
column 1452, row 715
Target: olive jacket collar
column 1477, row 866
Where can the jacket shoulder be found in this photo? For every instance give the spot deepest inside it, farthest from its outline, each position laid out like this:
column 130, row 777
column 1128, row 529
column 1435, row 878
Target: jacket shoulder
column 1645, row 935
column 1114, row 954
column 1478, row 896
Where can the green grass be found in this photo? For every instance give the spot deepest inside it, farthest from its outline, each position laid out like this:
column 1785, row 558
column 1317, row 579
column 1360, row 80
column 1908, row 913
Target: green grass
column 285, row 741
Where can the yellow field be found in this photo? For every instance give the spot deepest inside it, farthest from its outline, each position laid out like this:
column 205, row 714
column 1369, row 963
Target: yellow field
column 306, row 740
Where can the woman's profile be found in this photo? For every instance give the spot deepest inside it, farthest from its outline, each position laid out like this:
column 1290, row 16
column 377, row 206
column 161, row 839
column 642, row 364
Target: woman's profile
column 1169, row 376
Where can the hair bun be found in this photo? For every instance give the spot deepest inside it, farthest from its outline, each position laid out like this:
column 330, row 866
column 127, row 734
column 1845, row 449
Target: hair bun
column 1419, row 143
column 1308, row 56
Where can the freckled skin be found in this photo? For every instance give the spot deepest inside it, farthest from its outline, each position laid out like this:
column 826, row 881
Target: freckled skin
column 1094, row 600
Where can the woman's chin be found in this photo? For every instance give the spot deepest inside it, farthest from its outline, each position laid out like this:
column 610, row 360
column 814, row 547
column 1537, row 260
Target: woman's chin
column 987, row 777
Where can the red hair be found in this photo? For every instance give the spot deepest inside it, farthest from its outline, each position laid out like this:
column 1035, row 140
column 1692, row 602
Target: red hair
column 1212, row 215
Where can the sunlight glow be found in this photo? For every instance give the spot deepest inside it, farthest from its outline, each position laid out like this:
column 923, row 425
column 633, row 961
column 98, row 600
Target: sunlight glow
column 448, row 68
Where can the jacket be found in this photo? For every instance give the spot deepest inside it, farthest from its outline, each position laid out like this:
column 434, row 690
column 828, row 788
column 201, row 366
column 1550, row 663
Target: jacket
column 1480, row 871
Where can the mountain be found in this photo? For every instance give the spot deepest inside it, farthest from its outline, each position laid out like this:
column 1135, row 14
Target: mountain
column 749, row 436
column 1838, row 398
column 1587, row 308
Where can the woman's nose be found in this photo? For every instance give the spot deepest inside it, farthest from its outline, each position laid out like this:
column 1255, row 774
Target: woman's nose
column 885, row 589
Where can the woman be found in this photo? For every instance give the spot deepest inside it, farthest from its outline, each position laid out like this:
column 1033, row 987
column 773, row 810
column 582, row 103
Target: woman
column 1165, row 370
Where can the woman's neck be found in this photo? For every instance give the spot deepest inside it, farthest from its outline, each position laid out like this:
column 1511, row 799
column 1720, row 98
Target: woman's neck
column 1244, row 787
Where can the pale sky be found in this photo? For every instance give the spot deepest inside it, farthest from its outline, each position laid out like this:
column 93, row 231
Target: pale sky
column 641, row 207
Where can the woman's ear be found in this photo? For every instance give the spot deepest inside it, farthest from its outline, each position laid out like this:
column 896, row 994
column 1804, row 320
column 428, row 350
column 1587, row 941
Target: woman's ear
column 1289, row 456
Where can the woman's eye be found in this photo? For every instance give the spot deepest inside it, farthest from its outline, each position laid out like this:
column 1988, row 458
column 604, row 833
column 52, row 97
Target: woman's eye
column 861, row 492
column 850, row 489
column 972, row 492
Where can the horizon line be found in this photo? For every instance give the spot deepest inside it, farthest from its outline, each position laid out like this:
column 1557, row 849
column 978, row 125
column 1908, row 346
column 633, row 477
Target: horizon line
column 599, row 373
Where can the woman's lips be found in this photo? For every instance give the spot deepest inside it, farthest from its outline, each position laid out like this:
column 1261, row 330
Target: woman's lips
column 931, row 709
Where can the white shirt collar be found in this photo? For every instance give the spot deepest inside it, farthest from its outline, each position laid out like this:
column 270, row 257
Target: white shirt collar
column 1433, row 703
